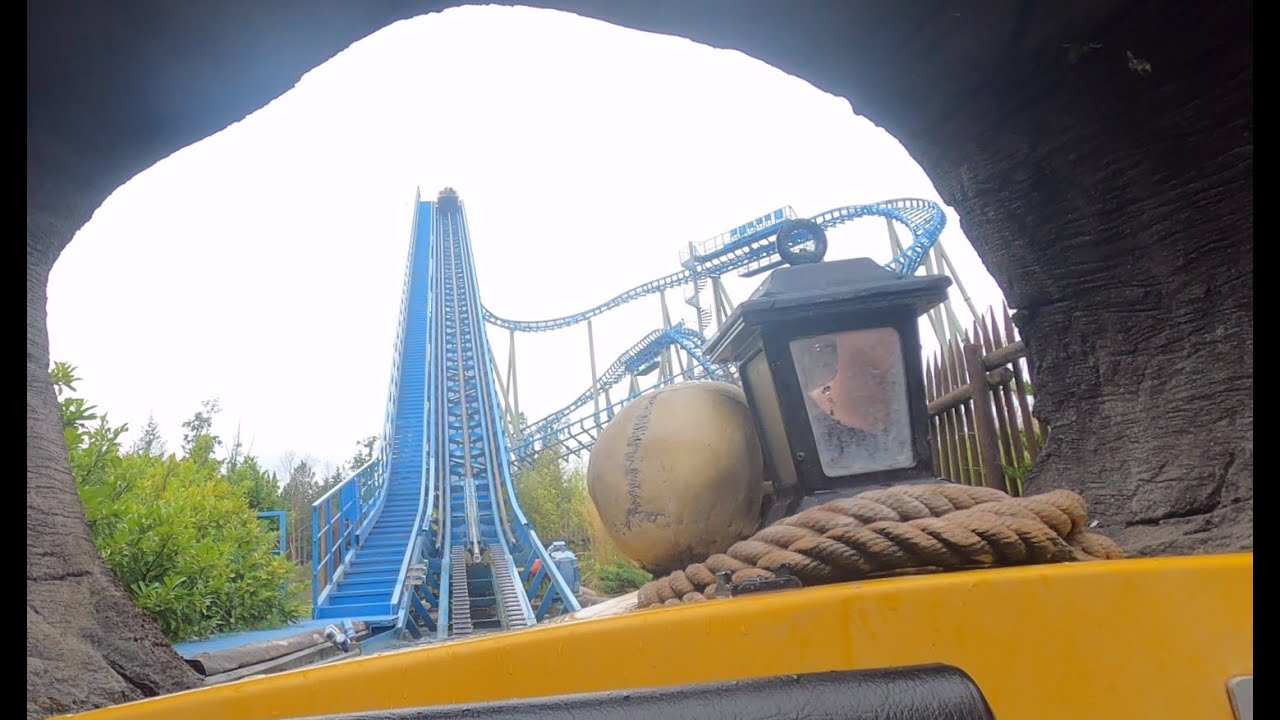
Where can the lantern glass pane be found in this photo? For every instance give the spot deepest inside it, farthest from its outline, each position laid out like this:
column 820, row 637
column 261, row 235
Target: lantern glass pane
column 855, row 391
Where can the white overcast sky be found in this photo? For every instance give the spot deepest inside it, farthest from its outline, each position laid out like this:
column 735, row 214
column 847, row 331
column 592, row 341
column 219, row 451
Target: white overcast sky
column 263, row 265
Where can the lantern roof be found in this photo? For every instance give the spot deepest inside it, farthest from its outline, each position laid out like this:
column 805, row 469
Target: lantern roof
column 814, row 290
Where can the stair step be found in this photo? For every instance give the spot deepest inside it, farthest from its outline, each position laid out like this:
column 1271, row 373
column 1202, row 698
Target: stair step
column 390, row 533
column 374, row 566
column 357, row 595
column 393, row 525
column 379, row 555
column 355, row 611
column 371, row 576
column 381, row 584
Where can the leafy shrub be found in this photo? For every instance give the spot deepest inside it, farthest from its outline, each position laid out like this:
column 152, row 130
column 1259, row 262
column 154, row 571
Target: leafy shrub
column 617, row 577
column 178, row 533
column 555, row 499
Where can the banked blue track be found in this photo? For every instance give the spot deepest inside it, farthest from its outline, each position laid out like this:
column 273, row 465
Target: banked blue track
column 428, row 539
column 750, row 249
column 630, row 362
column 754, row 252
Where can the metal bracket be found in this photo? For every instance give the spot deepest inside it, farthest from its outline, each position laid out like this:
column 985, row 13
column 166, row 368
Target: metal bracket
column 1240, row 690
column 784, row 580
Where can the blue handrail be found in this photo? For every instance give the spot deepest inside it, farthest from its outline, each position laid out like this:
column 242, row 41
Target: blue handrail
column 427, row 482
column 352, row 506
column 336, row 520
column 282, row 527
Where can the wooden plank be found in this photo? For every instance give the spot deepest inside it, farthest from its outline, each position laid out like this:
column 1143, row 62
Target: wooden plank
column 1008, row 459
column 1000, row 357
column 996, row 378
column 960, row 377
column 1020, row 385
column 308, row 657
column 943, row 469
column 939, row 424
column 984, row 420
column 1007, row 395
column 264, row 651
column 955, row 472
column 935, row 456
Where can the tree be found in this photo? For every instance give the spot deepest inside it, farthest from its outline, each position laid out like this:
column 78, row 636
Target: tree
column 183, row 538
column 150, row 442
column 257, row 485
column 364, row 453
column 198, row 441
column 243, row 470
column 298, row 493
column 554, row 499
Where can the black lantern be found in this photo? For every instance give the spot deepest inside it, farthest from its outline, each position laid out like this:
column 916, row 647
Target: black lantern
column 829, row 357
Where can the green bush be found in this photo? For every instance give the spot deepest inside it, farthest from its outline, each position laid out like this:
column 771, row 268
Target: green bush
column 178, row 533
column 617, row 577
column 189, row 548
column 554, row 497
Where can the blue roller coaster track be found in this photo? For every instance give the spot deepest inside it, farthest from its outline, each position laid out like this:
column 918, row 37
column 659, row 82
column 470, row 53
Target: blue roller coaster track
column 635, row 361
column 428, row 540
column 752, row 248
column 754, row 252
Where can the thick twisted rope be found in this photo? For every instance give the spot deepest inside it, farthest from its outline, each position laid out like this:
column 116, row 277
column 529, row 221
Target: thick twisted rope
column 910, row 529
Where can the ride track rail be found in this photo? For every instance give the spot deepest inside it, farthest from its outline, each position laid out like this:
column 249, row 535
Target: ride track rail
column 429, row 536
column 752, row 249
column 435, row 516
column 754, row 253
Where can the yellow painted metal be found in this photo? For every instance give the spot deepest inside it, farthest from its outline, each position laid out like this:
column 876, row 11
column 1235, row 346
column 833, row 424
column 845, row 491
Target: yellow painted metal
column 1139, row 638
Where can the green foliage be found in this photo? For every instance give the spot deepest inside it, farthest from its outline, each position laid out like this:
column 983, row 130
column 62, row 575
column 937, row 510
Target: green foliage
column 364, row 453
column 299, row 491
column 555, row 500
column 1015, row 475
column 259, row 487
column 150, row 443
column 188, row 547
column 618, row 576
column 181, row 534
column 201, row 423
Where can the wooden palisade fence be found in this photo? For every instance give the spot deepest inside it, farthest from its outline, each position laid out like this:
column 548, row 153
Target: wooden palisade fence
column 981, row 428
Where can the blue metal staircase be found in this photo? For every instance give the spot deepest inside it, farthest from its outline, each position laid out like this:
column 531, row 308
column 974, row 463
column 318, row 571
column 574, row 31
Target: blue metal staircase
column 370, row 583
column 428, row 539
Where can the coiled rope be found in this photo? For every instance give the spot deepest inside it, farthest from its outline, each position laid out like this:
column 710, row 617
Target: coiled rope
column 911, row 529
